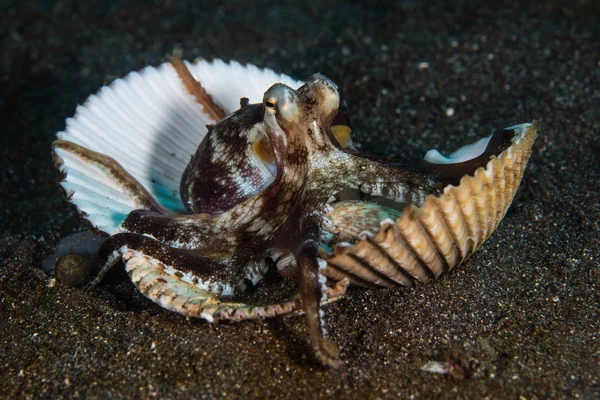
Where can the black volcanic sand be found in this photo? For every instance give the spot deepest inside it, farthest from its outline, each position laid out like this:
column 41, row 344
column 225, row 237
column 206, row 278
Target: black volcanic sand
column 518, row 320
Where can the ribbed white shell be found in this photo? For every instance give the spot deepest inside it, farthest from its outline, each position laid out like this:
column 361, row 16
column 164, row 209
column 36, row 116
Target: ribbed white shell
column 150, row 125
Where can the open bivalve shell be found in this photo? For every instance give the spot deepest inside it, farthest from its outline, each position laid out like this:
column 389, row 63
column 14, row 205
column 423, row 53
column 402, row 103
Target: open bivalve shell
column 428, row 240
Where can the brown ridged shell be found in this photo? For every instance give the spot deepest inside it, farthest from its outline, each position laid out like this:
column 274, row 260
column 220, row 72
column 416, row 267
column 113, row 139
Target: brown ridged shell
column 445, row 230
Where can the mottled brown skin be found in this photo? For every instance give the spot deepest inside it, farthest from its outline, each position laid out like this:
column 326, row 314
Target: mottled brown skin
column 230, row 225
column 225, row 171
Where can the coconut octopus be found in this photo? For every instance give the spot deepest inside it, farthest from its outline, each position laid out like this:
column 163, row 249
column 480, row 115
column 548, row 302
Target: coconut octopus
column 274, row 180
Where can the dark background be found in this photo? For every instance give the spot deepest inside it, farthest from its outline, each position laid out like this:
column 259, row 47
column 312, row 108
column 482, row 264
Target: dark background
column 521, row 317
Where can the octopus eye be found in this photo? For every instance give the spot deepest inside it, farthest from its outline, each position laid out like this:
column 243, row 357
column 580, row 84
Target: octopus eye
column 270, row 104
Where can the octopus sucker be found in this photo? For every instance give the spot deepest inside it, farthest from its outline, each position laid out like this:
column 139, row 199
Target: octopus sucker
column 201, row 172
column 174, row 294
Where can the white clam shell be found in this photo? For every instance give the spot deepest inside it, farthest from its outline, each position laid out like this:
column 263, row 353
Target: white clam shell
column 150, row 125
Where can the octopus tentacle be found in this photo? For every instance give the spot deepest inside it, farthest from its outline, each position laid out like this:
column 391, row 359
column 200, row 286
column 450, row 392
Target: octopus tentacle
column 109, row 166
column 410, row 179
column 312, row 294
column 194, row 88
column 174, row 293
column 111, row 251
column 374, row 177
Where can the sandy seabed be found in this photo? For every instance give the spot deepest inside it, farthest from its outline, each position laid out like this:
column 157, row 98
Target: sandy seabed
column 520, row 318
